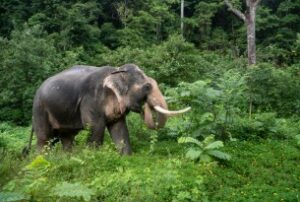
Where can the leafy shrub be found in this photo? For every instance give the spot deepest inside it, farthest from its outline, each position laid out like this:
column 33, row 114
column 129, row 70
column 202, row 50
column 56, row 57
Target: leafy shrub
column 173, row 61
column 12, row 138
column 204, row 151
column 274, row 89
column 215, row 104
column 263, row 126
column 28, row 58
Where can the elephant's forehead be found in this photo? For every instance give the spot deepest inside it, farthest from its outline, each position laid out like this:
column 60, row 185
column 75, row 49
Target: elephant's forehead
column 137, row 77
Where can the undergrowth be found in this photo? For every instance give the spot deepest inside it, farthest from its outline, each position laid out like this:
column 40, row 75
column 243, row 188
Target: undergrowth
column 259, row 170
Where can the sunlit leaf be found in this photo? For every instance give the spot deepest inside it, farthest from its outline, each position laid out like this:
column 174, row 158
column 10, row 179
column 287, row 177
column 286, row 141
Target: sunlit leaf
column 193, row 154
column 219, row 155
column 189, row 140
column 214, row 145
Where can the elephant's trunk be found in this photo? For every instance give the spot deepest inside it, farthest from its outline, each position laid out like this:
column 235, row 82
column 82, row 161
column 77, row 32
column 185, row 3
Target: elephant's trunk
column 157, row 104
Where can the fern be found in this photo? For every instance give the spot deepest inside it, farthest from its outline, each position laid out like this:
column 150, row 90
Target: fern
column 12, row 196
column 73, row 190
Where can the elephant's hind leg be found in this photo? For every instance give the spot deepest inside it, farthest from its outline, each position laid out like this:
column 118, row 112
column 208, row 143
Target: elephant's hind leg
column 42, row 128
column 67, row 137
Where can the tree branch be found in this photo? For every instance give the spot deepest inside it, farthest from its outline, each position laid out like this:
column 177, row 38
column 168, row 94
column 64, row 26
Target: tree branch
column 257, row 2
column 235, row 11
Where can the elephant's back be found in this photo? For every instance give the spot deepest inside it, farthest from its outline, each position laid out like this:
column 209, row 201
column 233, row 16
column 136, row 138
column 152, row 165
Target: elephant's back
column 72, row 78
column 69, row 84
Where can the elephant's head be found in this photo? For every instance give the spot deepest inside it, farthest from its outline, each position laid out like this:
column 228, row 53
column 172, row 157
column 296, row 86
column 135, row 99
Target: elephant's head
column 134, row 90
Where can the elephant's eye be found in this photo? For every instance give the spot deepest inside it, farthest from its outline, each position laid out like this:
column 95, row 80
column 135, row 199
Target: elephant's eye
column 147, row 87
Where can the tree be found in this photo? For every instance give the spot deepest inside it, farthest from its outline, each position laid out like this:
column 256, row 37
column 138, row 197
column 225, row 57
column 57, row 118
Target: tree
column 249, row 18
column 181, row 16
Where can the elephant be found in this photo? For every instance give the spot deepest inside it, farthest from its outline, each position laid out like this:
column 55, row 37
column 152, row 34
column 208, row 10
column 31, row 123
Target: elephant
column 97, row 97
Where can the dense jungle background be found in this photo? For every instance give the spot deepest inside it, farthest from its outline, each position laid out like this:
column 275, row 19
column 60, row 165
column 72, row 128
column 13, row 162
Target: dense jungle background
column 240, row 141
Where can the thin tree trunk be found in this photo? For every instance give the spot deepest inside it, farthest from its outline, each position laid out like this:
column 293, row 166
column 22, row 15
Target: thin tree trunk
column 181, row 16
column 125, row 13
column 250, row 23
column 249, row 19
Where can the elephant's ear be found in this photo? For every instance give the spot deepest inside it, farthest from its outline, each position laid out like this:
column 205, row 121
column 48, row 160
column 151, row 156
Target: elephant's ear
column 116, row 82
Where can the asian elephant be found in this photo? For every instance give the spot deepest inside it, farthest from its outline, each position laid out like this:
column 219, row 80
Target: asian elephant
column 97, row 97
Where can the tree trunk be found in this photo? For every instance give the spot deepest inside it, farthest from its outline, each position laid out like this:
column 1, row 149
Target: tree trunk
column 181, row 16
column 249, row 19
column 250, row 23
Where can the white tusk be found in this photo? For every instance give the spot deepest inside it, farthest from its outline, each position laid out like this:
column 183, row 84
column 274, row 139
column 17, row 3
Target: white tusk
column 167, row 112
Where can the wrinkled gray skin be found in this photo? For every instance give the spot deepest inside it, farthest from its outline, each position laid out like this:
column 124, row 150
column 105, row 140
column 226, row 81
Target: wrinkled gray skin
column 95, row 97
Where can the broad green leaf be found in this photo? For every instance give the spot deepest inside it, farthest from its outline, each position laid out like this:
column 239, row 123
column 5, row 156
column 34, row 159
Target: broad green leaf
column 205, row 158
column 209, row 139
column 189, row 140
column 214, row 145
column 193, row 154
column 206, row 117
column 219, row 155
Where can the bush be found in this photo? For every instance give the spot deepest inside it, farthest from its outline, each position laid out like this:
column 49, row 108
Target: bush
column 215, row 104
column 263, row 126
column 13, row 138
column 274, row 90
column 28, row 59
column 173, row 61
column 205, row 151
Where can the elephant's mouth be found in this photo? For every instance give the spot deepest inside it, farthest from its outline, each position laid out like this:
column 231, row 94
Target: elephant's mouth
column 137, row 108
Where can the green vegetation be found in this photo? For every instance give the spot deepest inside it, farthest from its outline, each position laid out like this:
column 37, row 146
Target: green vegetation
column 259, row 170
column 242, row 136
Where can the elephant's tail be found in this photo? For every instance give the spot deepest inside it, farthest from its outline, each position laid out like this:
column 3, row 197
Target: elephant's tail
column 27, row 148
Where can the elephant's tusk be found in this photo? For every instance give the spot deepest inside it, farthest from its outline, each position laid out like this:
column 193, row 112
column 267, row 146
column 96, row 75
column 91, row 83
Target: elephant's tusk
column 170, row 113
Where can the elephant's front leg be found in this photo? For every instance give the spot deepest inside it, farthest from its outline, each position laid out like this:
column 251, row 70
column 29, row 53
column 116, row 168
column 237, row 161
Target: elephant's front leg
column 97, row 133
column 120, row 136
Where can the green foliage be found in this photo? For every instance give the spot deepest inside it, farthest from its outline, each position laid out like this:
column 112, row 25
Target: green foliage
column 205, row 68
column 258, row 171
column 12, row 138
column 215, row 104
column 297, row 137
column 169, row 62
column 204, row 151
column 12, row 196
column 73, row 190
column 89, row 175
column 263, row 126
column 27, row 60
column 274, row 89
